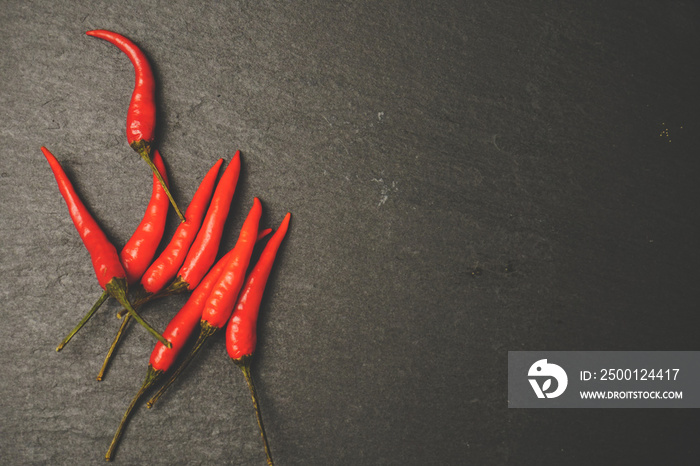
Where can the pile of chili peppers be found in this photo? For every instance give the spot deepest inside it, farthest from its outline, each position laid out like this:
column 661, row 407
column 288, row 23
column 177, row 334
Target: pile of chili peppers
column 226, row 294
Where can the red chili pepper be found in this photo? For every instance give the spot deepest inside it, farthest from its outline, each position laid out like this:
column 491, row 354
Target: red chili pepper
column 137, row 254
column 165, row 267
column 141, row 116
column 177, row 333
column 222, row 299
column 206, row 246
column 241, row 335
column 241, row 331
column 105, row 260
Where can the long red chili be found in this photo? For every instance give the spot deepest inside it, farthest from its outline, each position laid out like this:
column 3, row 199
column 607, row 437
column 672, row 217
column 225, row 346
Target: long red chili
column 105, row 260
column 206, row 246
column 241, row 334
column 141, row 116
column 223, row 296
column 222, row 299
column 137, row 254
column 241, row 337
column 141, row 247
column 177, row 333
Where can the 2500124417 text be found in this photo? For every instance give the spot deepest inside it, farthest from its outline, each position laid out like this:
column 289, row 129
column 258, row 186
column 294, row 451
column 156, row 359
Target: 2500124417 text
column 630, row 374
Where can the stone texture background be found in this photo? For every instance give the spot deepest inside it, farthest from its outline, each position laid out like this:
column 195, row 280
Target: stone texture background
column 466, row 179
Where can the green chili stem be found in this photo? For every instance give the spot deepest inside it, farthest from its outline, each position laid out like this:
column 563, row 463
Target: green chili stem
column 244, row 364
column 117, row 338
column 144, row 151
column 178, row 286
column 151, row 377
column 117, row 288
column 137, row 304
column 87, row 317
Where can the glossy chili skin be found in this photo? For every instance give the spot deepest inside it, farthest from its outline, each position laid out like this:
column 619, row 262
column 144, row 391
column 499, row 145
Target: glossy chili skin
column 222, row 298
column 206, row 246
column 241, row 334
column 104, row 256
column 137, row 254
column 166, row 266
column 141, row 116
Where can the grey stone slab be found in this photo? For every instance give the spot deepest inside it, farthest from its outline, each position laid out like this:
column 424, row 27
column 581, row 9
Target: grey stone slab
column 465, row 179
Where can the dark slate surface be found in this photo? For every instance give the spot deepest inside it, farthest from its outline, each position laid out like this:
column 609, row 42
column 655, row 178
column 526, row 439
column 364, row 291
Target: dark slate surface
column 466, row 179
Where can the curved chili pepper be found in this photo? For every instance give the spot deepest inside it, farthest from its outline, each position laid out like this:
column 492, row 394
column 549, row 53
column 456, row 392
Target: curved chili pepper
column 241, row 335
column 137, row 254
column 206, row 246
column 177, row 333
column 222, row 299
column 105, row 260
column 141, row 116
column 139, row 250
